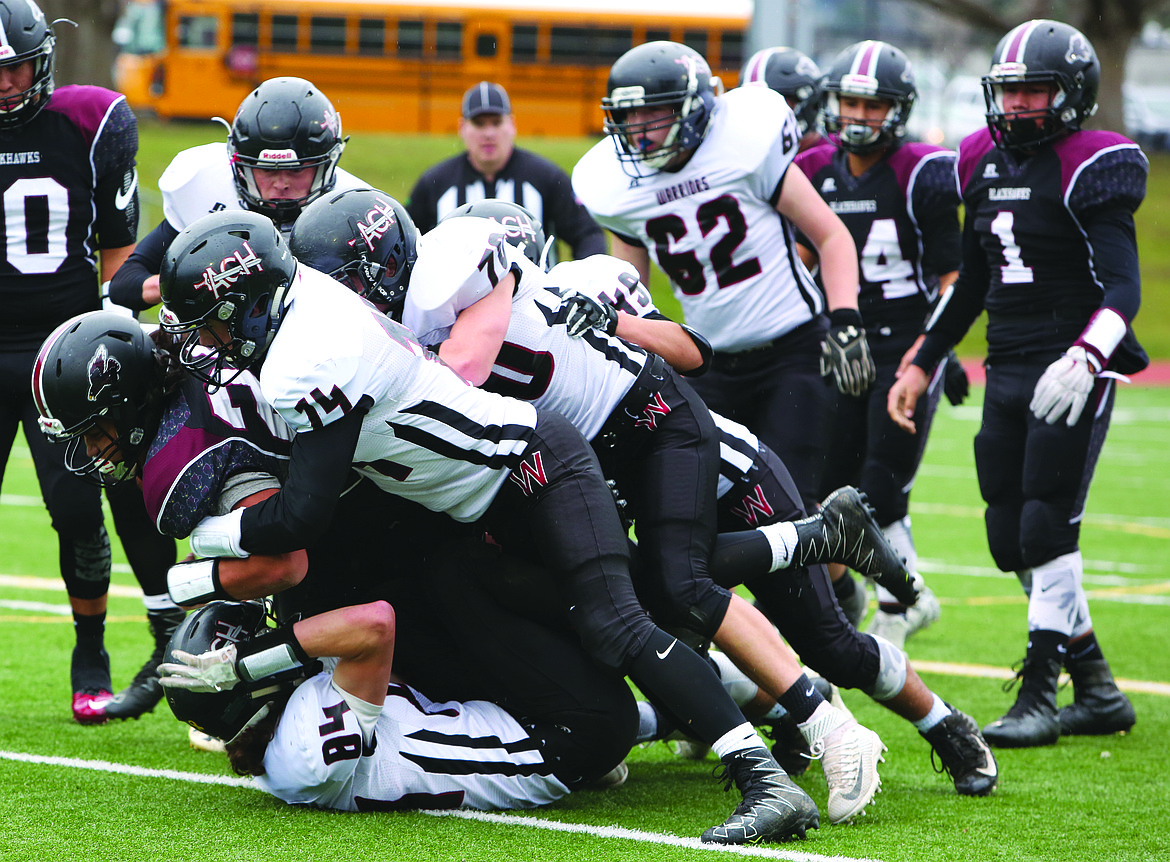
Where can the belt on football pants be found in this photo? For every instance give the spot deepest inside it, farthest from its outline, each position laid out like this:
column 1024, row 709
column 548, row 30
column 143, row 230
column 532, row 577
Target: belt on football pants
column 622, row 422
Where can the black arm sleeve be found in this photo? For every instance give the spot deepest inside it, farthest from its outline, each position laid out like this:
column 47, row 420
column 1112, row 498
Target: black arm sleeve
column 319, row 470
column 145, row 261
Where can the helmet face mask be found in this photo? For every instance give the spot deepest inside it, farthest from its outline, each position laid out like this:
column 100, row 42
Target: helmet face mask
column 662, row 75
column 793, row 75
column 27, row 38
column 285, row 124
column 1041, row 53
column 224, row 283
column 100, row 372
column 521, row 228
column 869, row 70
column 363, row 238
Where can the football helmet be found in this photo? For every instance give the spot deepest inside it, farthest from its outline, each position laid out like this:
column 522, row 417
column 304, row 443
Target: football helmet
column 1048, row 52
column 284, row 124
column 521, row 228
column 25, row 35
column 793, row 75
column 873, row 70
column 224, row 714
column 99, row 365
column 363, row 238
column 231, row 267
column 658, row 74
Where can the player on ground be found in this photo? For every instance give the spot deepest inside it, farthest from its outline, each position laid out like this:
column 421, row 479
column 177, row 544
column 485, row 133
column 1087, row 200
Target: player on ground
column 1049, row 252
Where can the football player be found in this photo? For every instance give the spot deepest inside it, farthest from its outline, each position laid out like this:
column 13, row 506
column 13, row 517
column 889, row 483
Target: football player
column 281, row 153
column 899, row 202
column 699, row 182
column 795, row 76
column 362, row 394
column 67, row 167
column 1048, row 250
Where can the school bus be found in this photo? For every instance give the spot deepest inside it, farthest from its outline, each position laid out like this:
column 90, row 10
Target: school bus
column 399, row 66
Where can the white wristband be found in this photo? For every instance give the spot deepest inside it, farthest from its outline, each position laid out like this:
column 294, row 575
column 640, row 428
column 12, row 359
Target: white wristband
column 219, row 536
column 192, row 583
column 1105, row 330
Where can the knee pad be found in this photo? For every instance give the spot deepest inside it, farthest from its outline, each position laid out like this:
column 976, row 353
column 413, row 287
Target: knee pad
column 891, row 678
column 1003, row 537
column 85, row 564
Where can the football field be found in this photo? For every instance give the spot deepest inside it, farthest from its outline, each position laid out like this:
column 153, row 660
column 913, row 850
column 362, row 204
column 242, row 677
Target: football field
column 136, row 790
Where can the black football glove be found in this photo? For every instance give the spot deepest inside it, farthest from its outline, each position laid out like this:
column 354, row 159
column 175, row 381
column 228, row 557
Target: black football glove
column 845, row 353
column 955, row 382
column 583, row 313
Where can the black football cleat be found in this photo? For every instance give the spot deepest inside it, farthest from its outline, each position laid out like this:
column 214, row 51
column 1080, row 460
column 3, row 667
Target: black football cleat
column 773, row 807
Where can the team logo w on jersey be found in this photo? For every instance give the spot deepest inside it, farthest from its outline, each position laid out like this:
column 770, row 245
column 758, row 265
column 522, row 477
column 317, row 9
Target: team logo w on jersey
column 243, row 262
column 377, row 221
column 753, row 506
column 530, row 473
column 103, row 372
column 654, row 408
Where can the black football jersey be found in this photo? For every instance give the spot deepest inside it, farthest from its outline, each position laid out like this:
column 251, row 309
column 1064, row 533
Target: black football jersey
column 69, row 188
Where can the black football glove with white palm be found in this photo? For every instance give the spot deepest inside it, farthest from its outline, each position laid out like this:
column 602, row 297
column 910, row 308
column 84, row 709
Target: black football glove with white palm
column 956, row 386
column 582, row 313
column 845, row 353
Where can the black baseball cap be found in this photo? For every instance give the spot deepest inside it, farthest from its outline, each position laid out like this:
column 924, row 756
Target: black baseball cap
column 485, row 98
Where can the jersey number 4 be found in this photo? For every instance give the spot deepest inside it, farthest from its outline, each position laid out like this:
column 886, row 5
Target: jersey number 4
column 684, row 268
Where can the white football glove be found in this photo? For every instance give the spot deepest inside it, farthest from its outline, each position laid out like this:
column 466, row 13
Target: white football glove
column 219, row 536
column 206, row 672
column 583, row 312
column 1064, row 385
column 845, row 353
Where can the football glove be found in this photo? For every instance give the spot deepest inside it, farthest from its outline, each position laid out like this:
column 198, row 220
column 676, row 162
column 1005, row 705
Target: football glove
column 583, row 313
column 845, row 353
column 219, row 536
column 209, row 671
column 955, row 382
column 1065, row 385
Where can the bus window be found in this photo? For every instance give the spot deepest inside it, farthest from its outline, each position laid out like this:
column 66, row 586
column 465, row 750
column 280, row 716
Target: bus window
column 371, row 36
column 731, row 52
column 658, row 36
column 524, row 43
column 197, row 31
column 246, row 29
column 611, row 44
column 697, row 39
column 485, row 45
column 284, row 32
column 410, row 38
column 588, row 46
column 449, row 40
column 327, row 35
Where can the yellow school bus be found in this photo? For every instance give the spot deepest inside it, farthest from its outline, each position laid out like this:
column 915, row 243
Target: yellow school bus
column 396, row 66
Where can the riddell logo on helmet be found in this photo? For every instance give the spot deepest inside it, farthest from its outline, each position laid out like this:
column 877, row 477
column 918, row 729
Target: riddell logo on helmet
column 243, row 262
column 378, row 220
column 278, row 156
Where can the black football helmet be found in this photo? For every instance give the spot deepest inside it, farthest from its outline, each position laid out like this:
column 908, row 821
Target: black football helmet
column 521, row 228
column 793, row 75
column 873, row 70
column 1049, row 52
column 284, row 124
column 231, row 267
column 659, row 74
column 100, row 365
column 363, row 238
column 25, row 35
column 223, row 714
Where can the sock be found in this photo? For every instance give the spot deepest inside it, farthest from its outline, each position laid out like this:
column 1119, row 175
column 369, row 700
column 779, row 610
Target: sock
column 774, row 714
column 1084, row 648
column 739, row 738
column 801, row 699
column 89, row 668
column 938, row 711
column 782, row 539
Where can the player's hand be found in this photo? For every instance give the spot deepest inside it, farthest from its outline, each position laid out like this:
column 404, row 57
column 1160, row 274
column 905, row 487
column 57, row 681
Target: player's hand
column 1065, row 386
column 209, row 671
column 845, row 353
column 583, row 313
column 956, row 386
column 909, row 355
column 903, row 397
column 219, row 536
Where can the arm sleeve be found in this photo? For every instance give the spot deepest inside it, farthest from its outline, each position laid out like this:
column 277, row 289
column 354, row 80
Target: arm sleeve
column 318, row 472
column 145, row 261
column 116, row 180
column 1114, row 242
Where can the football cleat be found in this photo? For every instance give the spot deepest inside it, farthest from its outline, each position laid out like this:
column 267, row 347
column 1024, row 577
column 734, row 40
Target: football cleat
column 963, row 753
column 773, row 807
column 144, row 691
column 616, row 777
column 897, row 628
column 89, row 706
column 1032, row 720
column 1098, row 706
column 849, row 754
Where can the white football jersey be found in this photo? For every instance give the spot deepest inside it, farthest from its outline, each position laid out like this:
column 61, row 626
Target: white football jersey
column 584, row 379
column 429, row 436
column 607, row 279
column 712, row 226
column 199, row 181
column 420, row 755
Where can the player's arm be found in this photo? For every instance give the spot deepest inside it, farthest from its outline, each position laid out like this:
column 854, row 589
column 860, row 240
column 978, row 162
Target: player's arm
column 636, row 255
column 800, row 203
column 478, row 333
column 135, row 284
column 686, row 351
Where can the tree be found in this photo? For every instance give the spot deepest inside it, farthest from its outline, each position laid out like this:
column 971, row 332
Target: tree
column 85, row 53
column 1111, row 25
